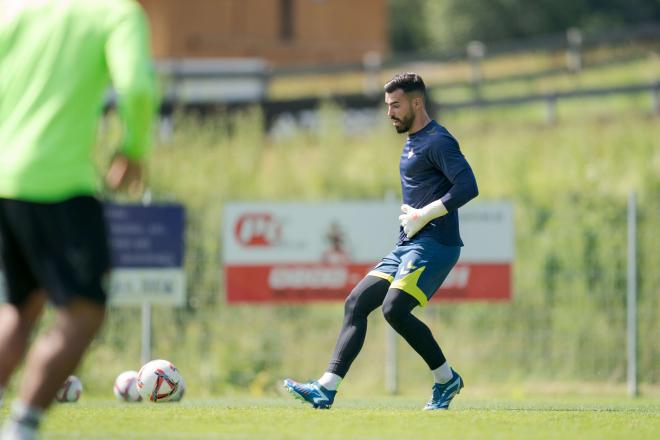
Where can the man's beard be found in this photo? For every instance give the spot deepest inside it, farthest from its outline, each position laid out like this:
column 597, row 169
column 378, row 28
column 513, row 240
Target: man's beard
column 405, row 123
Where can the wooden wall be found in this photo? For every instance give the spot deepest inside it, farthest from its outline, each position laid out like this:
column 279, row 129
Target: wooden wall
column 284, row 32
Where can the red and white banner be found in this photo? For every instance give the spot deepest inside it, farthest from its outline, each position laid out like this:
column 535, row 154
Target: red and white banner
column 298, row 252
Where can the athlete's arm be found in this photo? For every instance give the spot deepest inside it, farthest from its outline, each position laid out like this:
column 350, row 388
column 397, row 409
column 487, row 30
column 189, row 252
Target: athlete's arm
column 131, row 72
column 463, row 190
column 449, row 159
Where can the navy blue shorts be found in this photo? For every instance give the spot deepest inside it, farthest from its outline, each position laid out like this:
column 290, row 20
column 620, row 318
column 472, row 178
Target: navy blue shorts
column 418, row 267
column 60, row 247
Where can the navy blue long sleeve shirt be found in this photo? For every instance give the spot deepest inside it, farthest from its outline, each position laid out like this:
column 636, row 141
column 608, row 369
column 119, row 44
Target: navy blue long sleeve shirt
column 432, row 167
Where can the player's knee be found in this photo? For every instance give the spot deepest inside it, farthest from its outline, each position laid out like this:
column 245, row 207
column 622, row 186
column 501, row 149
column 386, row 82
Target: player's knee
column 393, row 315
column 351, row 303
column 83, row 315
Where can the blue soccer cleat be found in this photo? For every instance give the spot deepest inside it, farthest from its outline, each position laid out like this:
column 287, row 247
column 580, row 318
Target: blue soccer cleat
column 444, row 393
column 311, row 392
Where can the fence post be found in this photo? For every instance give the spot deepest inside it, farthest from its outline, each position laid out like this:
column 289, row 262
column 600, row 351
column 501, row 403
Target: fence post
column 631, row 303
column 391, row 364
column 145, row 353
column 476, row 51
column 372, row 62
column 166, row 128
column 655, row 98
column 574, row 50
column 551, row 109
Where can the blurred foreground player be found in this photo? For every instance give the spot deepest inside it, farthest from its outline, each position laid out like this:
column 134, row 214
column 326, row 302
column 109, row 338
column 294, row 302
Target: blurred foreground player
column 57, row 60
column 435, row 181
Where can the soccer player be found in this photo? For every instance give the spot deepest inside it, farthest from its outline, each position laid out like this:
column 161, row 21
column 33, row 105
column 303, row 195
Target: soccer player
column 57, row 60
column 436, row 180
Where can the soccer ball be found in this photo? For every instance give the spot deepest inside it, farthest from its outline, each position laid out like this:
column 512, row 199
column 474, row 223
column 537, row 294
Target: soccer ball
column 180, row 391
column 158, row 381
column 70, row 390
column 125, row 388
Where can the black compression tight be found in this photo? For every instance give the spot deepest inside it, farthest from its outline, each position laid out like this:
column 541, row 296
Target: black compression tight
column 369, row 294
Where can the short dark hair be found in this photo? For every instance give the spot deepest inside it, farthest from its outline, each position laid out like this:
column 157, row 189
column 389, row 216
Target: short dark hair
column 408, row 82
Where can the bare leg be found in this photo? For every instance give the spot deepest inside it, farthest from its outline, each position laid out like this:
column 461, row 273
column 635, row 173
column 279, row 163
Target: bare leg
column 56, row 354
column 16, row 324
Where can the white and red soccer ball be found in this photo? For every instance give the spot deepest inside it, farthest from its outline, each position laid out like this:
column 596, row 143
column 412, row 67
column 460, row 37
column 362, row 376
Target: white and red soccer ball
column 125, row 388
column 158, row 381
column 70, row 390
column 181, row 390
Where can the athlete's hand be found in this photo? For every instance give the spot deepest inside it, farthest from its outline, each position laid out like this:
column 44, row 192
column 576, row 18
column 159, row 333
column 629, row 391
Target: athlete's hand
column 413, row 220
column 124, row 174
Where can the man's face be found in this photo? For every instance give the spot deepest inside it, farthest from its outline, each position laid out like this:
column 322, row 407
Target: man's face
column 400, row 110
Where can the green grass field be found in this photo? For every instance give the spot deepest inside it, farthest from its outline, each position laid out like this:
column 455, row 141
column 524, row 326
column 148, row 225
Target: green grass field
column 566, row 418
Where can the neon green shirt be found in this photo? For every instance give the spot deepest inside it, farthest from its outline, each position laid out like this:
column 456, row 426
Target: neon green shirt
column 57, row 59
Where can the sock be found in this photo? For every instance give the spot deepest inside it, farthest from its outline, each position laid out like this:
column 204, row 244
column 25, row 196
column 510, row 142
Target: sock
column 442, row 374
column 330, row 381
column 28, row 416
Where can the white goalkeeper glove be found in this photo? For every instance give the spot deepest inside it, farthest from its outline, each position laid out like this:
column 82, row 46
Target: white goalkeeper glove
column 413, row 220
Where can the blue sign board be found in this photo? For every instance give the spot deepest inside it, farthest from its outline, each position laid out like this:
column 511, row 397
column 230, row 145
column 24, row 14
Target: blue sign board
column 146, row 246
column 145, row 236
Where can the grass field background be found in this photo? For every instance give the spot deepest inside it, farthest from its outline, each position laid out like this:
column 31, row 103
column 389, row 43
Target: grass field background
column 568, row 417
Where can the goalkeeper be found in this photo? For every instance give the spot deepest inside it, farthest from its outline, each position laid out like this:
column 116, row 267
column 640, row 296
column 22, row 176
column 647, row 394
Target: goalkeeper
column 436, row 180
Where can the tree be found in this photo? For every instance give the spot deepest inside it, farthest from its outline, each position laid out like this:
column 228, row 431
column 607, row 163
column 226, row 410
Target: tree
column 448, row 25
column 408, row 30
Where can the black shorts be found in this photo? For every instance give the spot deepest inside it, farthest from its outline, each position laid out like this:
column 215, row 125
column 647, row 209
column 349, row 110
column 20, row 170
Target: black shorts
column 61, row 247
